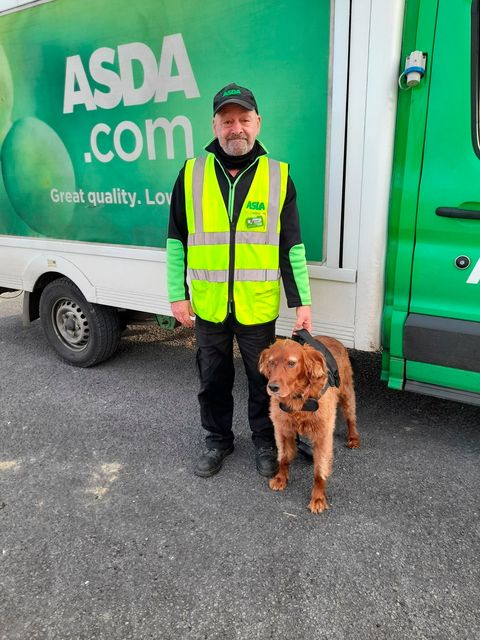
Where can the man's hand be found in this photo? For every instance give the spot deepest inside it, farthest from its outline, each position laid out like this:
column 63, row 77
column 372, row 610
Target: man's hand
column 304, row 318
column 183, row 312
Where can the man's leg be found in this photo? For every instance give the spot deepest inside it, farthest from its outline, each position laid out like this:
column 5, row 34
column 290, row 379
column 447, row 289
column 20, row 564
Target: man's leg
column 252, row 339
column 216, row 373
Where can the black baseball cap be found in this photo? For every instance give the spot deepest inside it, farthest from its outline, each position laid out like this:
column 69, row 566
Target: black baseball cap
column 234, row 94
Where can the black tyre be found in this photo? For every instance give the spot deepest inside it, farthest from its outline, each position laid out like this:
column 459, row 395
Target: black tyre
column 83, row 334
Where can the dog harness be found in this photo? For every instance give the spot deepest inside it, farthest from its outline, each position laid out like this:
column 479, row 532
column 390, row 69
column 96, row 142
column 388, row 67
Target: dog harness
column 302, row 336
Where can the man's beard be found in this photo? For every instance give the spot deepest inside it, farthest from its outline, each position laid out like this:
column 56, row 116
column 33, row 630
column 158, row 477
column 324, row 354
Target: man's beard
column 237, row 146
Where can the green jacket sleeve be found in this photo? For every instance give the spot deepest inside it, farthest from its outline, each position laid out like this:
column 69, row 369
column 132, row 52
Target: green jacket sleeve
column 177, row 245
column 175, row 270
column 298, row 263
column 293, row 264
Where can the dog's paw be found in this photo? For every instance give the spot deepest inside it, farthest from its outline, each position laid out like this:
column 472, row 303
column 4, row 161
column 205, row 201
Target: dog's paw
column 317, row 505
column 353, row 442
column 277, row 483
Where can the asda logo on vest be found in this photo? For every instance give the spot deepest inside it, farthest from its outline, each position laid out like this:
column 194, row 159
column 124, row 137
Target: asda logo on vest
column 256, row 221
column 255, row 206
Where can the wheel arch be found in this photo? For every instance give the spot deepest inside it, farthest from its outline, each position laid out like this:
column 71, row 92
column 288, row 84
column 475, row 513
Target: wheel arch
column 42, row 270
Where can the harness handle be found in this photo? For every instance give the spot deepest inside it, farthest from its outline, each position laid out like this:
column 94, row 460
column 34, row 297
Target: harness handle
column 301, row 336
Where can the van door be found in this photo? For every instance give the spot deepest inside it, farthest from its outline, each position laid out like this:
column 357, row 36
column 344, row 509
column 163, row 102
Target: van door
column 442, row 331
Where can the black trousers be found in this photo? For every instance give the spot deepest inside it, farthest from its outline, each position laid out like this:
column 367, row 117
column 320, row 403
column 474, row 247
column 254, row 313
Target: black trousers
column 216, row 371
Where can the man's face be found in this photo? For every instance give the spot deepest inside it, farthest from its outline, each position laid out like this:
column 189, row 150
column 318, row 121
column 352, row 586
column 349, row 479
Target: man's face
column 236, row 129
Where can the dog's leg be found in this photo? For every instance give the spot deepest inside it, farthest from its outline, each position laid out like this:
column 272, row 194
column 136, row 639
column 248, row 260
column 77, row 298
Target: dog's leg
column 322, row 468
column 347, row 402
column 287, row 450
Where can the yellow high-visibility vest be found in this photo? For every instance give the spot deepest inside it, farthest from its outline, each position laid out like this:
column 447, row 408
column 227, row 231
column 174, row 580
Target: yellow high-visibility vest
column 241, row 264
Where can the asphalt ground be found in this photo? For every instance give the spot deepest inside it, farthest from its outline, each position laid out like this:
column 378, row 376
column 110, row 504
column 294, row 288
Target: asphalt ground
column 105, row 533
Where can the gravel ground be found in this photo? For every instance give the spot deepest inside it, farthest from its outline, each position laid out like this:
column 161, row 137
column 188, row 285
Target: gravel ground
column 107, row 534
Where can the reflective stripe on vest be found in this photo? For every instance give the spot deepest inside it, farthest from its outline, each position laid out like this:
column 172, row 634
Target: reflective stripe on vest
column 241, row 275
column 256, row 290
column 223, row 237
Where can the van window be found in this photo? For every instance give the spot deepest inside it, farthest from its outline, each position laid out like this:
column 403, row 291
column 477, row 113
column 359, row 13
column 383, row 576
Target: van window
column 476, row 76
column 12, row 5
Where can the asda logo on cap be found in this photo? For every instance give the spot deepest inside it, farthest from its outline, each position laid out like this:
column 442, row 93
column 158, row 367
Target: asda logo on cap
column 232, row 92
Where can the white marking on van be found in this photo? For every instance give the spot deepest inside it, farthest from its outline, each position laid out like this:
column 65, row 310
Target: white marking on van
column 474, row 277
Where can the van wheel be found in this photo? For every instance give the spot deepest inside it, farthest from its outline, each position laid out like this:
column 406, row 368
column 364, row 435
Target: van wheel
column 82, row 333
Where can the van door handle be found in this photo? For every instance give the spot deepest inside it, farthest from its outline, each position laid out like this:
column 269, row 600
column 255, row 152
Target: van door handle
column 453, row 212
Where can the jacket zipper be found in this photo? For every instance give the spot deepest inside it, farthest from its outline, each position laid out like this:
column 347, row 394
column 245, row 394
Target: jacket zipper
column 233, row 226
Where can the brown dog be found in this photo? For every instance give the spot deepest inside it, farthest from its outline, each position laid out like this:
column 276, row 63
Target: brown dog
column 295, row 374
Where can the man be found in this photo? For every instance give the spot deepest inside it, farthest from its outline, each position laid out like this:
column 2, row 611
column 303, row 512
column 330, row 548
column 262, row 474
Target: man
column 234, row 229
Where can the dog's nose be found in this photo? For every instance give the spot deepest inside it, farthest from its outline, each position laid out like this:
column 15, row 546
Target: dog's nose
column 274, row 387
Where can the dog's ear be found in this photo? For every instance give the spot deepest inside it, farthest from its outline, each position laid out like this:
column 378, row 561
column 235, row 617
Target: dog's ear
column 263, row 361
column 314, row 362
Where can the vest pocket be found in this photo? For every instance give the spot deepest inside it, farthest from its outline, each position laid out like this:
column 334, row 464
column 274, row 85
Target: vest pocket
column 256, row 302
column 210, row 300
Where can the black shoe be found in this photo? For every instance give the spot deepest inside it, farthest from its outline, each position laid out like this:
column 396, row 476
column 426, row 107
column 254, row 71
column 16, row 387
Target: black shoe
column 305, row 448
column 210, row 462
column 266, row 461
